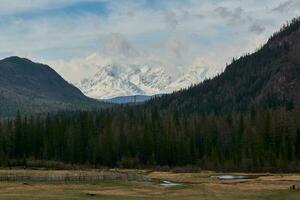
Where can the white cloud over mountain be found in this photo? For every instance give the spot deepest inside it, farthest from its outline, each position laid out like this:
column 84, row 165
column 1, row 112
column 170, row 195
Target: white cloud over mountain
column 77, row 36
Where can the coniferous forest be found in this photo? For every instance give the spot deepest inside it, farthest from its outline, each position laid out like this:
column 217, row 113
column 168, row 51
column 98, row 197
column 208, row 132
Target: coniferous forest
column 262, row 139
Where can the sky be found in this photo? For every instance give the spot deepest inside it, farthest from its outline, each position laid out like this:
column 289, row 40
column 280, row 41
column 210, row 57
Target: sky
column 75, row 37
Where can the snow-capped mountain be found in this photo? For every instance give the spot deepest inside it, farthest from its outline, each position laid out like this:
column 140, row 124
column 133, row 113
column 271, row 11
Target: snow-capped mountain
column 113, row 81
column 194, row 76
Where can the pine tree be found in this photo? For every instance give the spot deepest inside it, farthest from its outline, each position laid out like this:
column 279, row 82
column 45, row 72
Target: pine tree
column 297, row 145
column 18, row 137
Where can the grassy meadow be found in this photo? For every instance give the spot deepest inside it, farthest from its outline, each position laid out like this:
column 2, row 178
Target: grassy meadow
column 194, row 186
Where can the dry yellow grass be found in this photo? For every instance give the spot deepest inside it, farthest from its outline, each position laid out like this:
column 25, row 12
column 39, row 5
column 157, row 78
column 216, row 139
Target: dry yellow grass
column 29, row 172
column 197, row 186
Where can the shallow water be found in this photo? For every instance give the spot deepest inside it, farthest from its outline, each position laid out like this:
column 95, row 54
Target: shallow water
column 232, row 177
column 169, row 184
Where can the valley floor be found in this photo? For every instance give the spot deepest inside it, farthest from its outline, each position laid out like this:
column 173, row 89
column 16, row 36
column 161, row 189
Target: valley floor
column 193, row 186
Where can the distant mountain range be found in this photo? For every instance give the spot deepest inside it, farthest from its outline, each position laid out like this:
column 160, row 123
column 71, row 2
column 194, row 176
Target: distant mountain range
column 269, row 77
column 33, row 88
column 130, row 99
column 114, row 81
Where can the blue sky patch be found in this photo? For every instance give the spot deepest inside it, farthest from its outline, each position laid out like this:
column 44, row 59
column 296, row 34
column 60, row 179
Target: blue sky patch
column 96, row 8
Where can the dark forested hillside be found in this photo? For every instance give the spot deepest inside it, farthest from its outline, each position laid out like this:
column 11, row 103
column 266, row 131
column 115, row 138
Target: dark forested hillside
column 33, row 88
column 269, row 77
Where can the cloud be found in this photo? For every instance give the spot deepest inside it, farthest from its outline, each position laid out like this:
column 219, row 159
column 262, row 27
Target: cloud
column 77, row 36
column 117, row 46
column 176, row 47
column 17, row 6
column 256, row 29
column 288, row 6
column 171, row 19
column 223, row 12
column 233, row 16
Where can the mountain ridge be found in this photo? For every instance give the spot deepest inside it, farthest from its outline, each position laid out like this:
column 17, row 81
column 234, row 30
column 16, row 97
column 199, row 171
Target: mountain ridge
column 116, row 81
column 269, row 77
column 130, row 99
column 33, row 87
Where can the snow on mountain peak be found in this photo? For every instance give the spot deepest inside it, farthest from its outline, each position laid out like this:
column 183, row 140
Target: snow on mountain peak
column 115, row 80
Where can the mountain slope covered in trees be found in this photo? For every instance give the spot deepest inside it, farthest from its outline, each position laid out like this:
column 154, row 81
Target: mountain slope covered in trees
column 269, row 77
column 32, row 88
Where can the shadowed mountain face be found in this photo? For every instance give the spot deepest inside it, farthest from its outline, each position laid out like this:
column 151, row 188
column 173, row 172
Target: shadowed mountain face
column 33, row 88
column 269, row 77
column 130, row 99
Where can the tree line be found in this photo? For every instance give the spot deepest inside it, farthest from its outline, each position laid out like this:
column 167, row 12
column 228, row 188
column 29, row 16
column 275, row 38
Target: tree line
column 261, row 139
